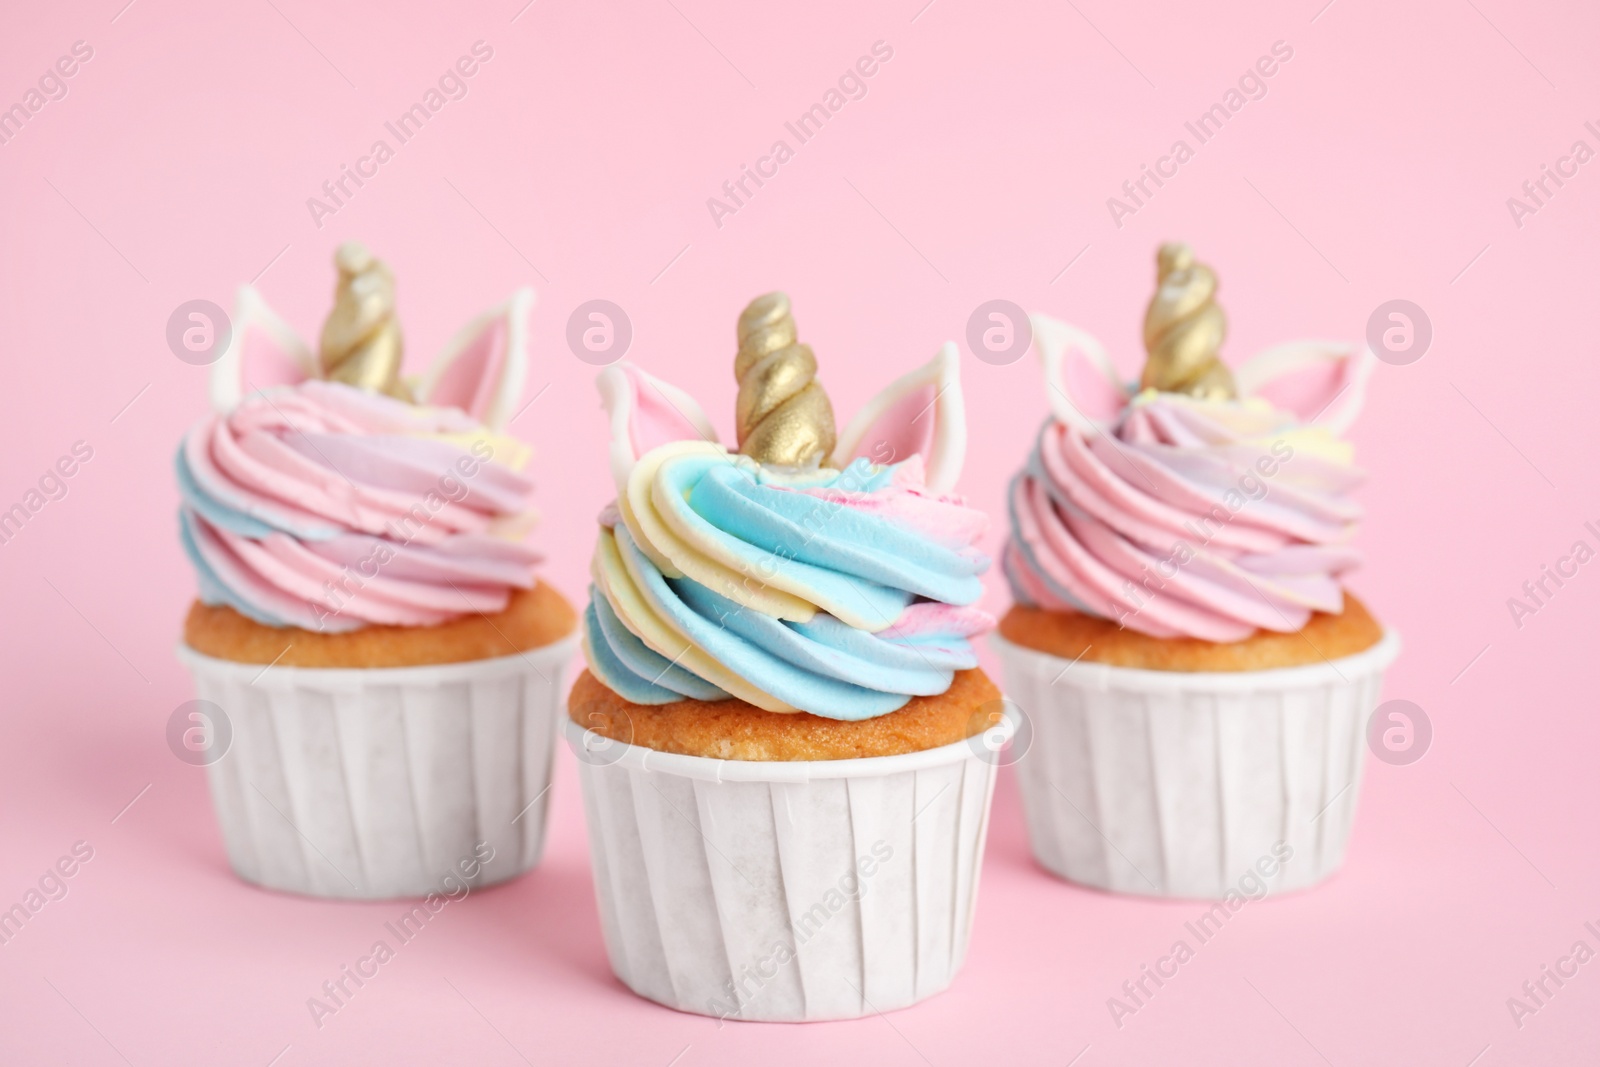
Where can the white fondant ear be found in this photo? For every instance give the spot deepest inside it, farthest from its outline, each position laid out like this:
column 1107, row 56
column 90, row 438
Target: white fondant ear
column 643, row 412
column 264, row 351
column 1319, row 381
column 484, row 367
column 1080, row 379
column 921, row 412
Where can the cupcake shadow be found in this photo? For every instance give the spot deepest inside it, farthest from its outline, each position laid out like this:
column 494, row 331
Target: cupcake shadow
column 547, row 915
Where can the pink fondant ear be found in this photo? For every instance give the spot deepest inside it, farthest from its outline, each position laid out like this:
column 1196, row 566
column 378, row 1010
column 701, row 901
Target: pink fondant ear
column 922, row 413
column 1318, row 381
column 263, row 352
column 645, row 412
column 1080, row 379
column 484, row 367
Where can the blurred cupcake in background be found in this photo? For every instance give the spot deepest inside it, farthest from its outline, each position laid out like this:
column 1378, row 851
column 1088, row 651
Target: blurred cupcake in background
column 1196, row 678
column 781, row 728
column 369, row 622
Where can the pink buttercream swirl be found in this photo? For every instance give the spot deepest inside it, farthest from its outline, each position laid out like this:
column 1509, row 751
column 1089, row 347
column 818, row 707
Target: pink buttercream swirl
column 1186, row 518
column 328, row 508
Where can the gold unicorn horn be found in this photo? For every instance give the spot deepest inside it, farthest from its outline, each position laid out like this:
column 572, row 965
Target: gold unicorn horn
column 783, row 414
column 1184, row 328
column 361, row 343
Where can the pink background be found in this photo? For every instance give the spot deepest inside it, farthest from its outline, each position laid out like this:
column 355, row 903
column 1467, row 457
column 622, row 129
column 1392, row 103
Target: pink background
column 977, row 167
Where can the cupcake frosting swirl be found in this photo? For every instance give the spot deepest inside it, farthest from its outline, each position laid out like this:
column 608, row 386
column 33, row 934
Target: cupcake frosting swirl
column 1186, row 517
column 328, row 508
column 842, row 593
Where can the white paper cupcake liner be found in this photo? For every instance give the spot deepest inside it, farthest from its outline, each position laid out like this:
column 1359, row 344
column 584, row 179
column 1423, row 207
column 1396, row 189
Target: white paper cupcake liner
column 785, row 891
column 1173, row 784
column 380, row 783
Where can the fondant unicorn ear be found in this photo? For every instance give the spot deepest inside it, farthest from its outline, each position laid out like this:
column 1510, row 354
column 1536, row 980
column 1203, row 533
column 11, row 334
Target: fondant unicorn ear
column 483, row 368
column 1080, row 378
column 1319, row 381
column 264, row 351
column 644, row 412
column 920, row 413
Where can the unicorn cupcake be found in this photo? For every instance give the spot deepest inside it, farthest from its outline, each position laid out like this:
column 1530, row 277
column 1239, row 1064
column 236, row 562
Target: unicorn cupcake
column 1196, row 679
column 370, row 641
column 783, row 726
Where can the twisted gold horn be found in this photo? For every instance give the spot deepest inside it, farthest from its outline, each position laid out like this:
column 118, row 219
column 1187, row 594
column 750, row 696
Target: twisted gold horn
column 1184, row 329
column 783, row 414
column 361, row 342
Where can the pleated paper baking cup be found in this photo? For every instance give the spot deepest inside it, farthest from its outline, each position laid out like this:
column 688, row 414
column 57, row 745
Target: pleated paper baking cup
column 378, row 783
column 785, row 891
column 1194, row 785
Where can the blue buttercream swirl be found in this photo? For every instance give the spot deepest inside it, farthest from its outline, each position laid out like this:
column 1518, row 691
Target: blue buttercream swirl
column 840, row 593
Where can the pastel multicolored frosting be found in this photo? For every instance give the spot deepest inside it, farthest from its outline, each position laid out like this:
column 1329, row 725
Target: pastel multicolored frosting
column 843, row 593
column 1185, row 518
column 328, row 508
